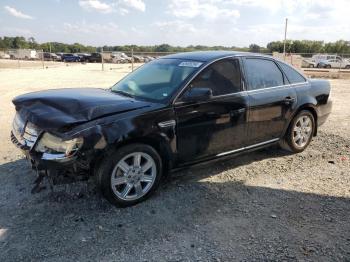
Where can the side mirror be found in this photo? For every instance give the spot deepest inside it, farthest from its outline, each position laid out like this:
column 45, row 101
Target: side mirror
column 197, row 94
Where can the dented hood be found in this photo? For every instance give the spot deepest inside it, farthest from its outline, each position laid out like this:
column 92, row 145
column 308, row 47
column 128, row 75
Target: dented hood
column 58, row 108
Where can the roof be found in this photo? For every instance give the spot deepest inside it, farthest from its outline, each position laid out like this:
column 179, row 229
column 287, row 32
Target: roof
column 206, row 56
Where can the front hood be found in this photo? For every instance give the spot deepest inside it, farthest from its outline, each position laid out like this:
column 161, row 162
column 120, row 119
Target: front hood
column 60, row 108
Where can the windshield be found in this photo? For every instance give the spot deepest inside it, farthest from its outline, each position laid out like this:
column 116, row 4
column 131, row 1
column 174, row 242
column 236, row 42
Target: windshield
column 157, row 80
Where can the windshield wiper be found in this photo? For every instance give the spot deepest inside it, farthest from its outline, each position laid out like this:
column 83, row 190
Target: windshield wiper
column 123, row 93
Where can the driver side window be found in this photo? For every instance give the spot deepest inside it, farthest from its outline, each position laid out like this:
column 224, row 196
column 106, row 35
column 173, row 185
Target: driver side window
column 222, row 77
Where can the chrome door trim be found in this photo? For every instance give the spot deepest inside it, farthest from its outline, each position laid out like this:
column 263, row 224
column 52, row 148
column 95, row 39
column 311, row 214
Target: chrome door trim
column 248, row 147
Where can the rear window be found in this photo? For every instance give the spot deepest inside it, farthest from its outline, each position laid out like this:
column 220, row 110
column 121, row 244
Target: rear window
column 263, row 73
column 293, row 75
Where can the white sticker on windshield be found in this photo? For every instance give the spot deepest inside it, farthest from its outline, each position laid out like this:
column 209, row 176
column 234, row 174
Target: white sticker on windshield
column 190, row 64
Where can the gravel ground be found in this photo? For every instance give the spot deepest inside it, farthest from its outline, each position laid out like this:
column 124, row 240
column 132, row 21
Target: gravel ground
column 265, row 205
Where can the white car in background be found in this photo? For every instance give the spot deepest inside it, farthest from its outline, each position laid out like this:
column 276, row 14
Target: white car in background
column 336, row 63
column 322, row 57
column 4, row 56
column 120, row 58
column 308, row 63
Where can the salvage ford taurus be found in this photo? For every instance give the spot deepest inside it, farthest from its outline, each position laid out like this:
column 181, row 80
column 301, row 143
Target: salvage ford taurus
column 170, row 113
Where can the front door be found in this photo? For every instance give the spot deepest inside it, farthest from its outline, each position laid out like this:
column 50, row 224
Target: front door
column 217, row 125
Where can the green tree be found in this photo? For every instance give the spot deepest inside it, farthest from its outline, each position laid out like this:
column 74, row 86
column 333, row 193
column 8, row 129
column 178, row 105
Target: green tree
column 254, row 48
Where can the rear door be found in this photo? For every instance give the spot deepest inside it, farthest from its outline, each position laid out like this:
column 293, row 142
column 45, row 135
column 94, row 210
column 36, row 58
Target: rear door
column 271, row 99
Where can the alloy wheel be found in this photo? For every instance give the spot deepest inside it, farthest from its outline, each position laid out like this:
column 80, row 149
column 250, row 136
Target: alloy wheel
column 133, row 176
column 302, row 131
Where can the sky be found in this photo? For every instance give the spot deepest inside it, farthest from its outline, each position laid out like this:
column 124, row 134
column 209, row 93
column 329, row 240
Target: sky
column 176, row 22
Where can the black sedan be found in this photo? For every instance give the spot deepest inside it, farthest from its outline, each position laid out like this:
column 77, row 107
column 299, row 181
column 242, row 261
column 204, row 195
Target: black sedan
column 172, row 112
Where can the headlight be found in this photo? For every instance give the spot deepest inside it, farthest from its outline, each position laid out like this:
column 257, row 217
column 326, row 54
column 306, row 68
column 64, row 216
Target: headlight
column 52, row 144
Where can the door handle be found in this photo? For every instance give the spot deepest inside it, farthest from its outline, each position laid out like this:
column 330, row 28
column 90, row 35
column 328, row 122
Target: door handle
column 289, row 100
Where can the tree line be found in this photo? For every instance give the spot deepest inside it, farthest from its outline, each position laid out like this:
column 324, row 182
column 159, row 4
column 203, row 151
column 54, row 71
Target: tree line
column 292, row 46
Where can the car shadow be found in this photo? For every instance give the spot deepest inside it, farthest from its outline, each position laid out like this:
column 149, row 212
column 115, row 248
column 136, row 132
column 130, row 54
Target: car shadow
column 189, row 218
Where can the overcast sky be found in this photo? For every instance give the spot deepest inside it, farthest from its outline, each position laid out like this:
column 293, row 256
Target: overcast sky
column 176, row 22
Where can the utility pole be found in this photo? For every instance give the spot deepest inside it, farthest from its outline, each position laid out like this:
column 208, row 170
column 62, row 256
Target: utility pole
column 103, row 66
column 42, row 58
column 132, row 59
column 285, row 39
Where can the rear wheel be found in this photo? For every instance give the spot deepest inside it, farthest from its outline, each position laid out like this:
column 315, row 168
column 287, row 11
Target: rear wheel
column 130, row 174
column 299, row 133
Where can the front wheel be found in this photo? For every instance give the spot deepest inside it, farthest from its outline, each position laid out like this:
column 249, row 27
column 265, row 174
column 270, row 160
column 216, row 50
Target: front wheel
column 299, row 133
column 130, row 174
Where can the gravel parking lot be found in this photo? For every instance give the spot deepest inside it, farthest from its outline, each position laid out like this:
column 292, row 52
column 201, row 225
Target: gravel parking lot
column 261, row 206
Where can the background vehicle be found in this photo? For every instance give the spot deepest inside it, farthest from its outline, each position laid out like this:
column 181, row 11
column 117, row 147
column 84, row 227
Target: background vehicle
column 51, row 56
column 70, row 58
column 173, row 112
column 94, row 58
column 335, row 63
column 120, row 58
column 322, row 57
column 308, row 63
column 138, row 59
column 27, row 54
column 148, row 59
column 3, row 55
column 84, row 57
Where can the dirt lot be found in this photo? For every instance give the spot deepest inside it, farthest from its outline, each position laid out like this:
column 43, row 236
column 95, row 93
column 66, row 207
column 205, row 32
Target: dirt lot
column 266, row 205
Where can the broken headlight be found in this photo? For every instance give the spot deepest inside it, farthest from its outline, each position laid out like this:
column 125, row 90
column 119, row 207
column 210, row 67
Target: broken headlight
column 52, row 144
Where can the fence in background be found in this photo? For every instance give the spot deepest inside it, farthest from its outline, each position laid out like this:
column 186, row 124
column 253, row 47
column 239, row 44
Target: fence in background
column 109, row 60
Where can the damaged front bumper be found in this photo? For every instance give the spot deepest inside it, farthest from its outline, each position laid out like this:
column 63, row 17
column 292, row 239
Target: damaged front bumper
column 26, row 136
column 43, row 161
column 47, row 164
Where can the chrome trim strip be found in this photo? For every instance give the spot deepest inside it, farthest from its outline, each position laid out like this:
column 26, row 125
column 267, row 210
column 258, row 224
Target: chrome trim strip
column 242, row 93
column 168, row 123
column 231, row 152
column 248, row 147
column 60, row 157
column 262, row 143
column 274, row 87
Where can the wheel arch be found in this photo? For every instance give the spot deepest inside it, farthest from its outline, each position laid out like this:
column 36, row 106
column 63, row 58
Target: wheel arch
column 162, row 147
column 309, row 107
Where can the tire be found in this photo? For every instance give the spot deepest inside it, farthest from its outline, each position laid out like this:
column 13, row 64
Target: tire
column 311, row 66
column 347, row 67
column 328, row 66
column 299, row 128
column 121, row 179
